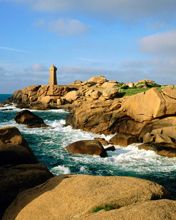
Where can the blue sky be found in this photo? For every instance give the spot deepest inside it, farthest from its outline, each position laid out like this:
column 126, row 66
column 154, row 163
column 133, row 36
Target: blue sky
column 125, row 40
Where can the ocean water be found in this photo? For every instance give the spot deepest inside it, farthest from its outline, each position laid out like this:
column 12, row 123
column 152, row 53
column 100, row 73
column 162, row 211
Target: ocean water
column 48, row 145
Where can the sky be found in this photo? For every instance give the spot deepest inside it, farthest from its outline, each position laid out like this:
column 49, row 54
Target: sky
column 124, row 40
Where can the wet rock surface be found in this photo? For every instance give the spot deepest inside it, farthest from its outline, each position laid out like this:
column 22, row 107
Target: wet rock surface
column 30, row 119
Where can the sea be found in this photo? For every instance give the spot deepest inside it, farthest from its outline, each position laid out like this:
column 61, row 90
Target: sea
column 48, row 144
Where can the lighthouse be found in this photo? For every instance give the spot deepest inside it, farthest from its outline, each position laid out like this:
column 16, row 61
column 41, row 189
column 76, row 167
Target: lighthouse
column 53, row 75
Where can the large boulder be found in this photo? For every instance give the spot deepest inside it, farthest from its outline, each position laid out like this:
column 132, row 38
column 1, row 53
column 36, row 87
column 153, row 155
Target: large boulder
column 145, row 106
column 79, row 196
column 110, row 93
column 151, row 104
column 90, row 147
column 30, row 119
column 14, row 149
column 71, row 96
column 109, row 85
column 11, row 135
column 97, row 79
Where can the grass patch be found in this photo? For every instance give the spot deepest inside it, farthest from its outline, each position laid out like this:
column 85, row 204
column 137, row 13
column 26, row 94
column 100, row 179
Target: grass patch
column 104, row 207
column 133, row 91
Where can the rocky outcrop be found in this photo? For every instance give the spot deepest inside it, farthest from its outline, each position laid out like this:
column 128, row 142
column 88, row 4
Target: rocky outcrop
column 56, row 96
column 30, row 119
column 91, row 147
column 96, row 106
column 147, row 117
column 42, row 95
column 19, row 168
column 81, row 197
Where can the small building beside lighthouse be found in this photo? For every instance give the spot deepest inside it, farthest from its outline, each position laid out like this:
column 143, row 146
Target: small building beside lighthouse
column 53, row 75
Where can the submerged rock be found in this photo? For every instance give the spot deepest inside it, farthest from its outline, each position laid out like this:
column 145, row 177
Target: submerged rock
column 90, row 147
column 81, row 196
column 30, row 119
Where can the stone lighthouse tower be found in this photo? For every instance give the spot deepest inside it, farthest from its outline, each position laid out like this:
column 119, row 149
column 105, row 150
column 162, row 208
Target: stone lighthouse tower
column 53, row 76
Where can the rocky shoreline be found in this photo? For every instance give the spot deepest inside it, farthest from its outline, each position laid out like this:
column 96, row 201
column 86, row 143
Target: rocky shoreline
column 29, row 191
column 97, row 106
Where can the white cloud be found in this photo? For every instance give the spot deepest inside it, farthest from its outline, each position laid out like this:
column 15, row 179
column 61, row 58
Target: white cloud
column 160, row 44
column 119, row 8
column 13, row 49
column 37, row 68
column 64, row 27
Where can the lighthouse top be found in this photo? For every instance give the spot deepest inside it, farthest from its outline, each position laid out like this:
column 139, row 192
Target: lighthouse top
column 52, row 67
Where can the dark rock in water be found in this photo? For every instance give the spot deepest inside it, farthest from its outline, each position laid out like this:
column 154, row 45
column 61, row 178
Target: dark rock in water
column 123, row 139
column 11, row 135
column 90, row 147
column 11, row 154
column 16, row 179
column 19, row 168
column 14, row 149
column 163, row 149
column 30, row 119
column 111, row 148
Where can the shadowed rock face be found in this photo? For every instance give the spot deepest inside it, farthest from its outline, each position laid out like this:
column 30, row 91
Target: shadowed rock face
column 30, row 119
column 80, row 196
column 90, row 147
column 19, row 168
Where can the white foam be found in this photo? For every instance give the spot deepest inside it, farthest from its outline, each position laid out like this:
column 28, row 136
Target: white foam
column 60, row 170
column 123, row 159
column 8, row 107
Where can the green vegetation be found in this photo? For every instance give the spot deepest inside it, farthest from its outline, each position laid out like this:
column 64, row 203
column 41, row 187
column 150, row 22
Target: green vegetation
column 107, row 207
column 132, row 91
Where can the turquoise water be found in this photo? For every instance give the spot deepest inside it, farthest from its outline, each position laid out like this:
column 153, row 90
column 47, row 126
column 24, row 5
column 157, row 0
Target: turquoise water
column 4, row 97
column 48, row 145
